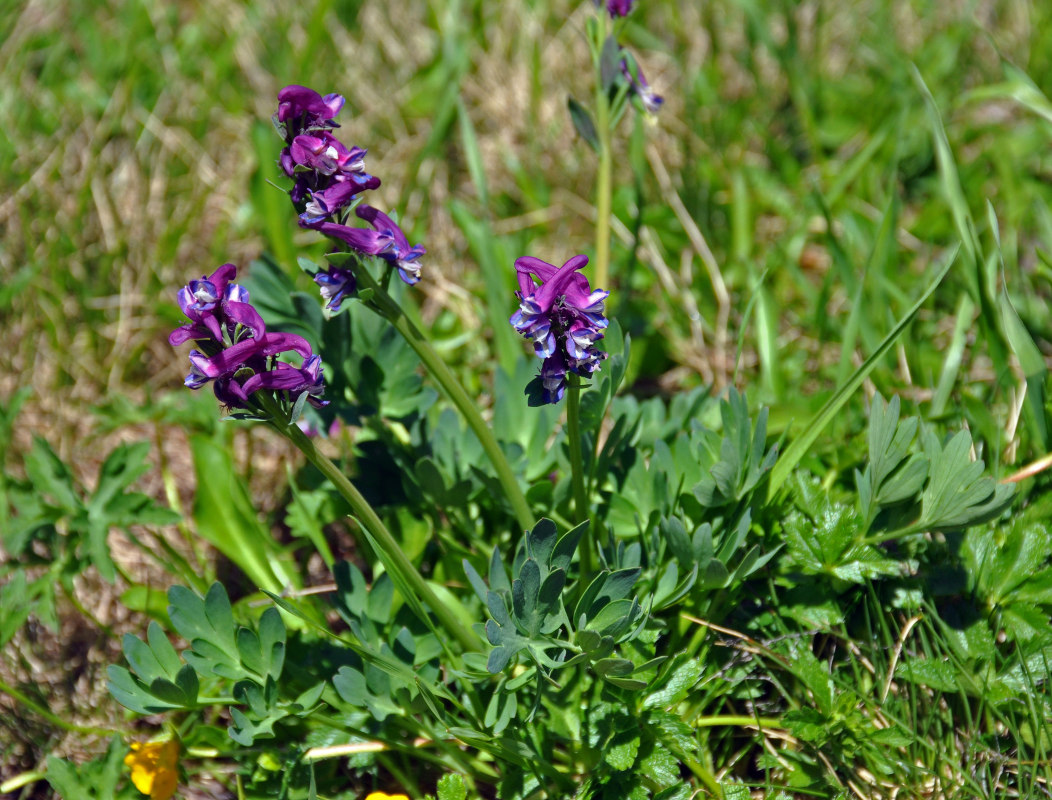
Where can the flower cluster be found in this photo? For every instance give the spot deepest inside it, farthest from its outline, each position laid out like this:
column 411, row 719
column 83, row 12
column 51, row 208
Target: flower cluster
column 327, row 175
column 563, row 318
column 327, row 179
column 234, row 351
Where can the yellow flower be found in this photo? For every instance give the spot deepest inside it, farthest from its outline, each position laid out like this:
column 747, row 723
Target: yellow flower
column 382, row 796
column 154, row 768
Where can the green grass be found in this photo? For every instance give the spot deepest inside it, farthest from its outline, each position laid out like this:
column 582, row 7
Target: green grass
column 822, row 160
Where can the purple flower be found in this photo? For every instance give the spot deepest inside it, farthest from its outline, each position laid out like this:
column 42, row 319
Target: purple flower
column 563, row 317
column 553, row 379
column 233, row 347
column 327, row 174
column 324, row 153
column 198, row 300
column 306, row 109
column 337, row 284
column 619, row 8
column 336, row 196
column 386, row 241
column 639, row 87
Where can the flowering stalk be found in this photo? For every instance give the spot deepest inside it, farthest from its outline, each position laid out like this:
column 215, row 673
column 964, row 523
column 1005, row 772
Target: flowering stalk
column 390, row 553
column 618, row 79
column 434, row 364
column 604, row 184
column 582, row 508
column 328, row 178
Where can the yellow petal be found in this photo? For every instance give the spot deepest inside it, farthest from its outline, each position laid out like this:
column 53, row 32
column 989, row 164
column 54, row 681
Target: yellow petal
column 382, row 796
column 154, row 768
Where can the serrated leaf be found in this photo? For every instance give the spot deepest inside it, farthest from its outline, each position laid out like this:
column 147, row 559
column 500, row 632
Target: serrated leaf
column 50, row 476
column 186, row 680
column 935, row 674
column 676, row 686
column 133, row 694
column 621, row 751
column 661, row 767
column 803, row 663
column 452, row 787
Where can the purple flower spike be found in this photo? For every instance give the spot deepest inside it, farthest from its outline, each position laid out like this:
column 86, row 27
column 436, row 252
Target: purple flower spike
column 234, row 350
column 563, row 317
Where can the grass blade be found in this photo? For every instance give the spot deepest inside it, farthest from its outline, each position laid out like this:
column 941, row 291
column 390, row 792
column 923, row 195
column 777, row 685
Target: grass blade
column 799, row 447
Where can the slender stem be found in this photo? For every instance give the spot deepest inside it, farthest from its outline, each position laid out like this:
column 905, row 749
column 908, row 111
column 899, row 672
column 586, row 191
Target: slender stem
column 581, row 510
column 434, row 364
column 54, row 719
column 20, row 780
column 603, row 190
column 390, row 553
column 737, row 721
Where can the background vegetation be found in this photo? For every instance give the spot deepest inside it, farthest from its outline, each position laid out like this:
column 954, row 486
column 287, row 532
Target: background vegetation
column 811, row 163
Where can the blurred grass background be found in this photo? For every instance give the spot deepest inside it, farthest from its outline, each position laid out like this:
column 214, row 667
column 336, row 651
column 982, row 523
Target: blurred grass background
column 772, row 222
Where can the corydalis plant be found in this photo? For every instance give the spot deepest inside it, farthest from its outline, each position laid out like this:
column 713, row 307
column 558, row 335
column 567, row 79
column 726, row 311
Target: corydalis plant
column 563, row 317
column 235, row 352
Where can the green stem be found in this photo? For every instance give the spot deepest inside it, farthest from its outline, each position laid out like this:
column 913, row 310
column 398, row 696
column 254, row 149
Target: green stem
column 736, row 721
column 390, row 553
column 604, row 182
column 434, row 364
column 54, row 719
column 23, row 779
column 580, row 496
